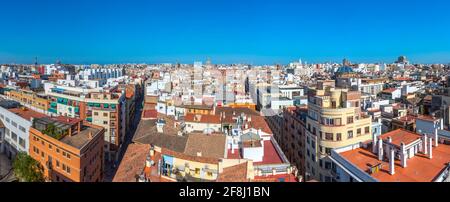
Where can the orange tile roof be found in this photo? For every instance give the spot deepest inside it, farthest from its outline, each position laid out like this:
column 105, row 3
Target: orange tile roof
column 237, row 173
column 419, row 168
column 27, row 113
column 400, row 135
column 276, row 178
column 133, row 163
column 259, row 122
column 215, row 119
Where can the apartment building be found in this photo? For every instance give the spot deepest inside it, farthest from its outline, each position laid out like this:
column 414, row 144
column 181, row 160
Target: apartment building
column 30, row 99
column 292, row 138
column 68, row 149
column 17, row 121
column 334, row 120
column 105, row 108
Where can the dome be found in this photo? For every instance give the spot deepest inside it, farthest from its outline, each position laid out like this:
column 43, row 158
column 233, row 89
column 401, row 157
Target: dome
column 344, row 69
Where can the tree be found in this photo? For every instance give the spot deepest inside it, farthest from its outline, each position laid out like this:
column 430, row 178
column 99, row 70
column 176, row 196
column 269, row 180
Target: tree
column 27, row 169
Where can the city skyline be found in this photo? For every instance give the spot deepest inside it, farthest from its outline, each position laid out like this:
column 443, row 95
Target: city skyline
column 252, row 32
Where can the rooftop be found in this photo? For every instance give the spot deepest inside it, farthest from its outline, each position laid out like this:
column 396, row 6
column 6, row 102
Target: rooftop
column 420, row 168
column 133, row 163
column 213, row 146
column 26, row 113
column 83, row 138
column 401, row 136
column 271, row 155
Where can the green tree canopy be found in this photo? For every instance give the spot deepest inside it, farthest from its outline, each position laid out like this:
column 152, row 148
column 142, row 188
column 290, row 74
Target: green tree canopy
column 27, row 169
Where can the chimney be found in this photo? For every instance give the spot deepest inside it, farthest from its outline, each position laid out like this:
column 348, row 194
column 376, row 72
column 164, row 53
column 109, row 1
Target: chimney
column 392, row 161
column 436, row 137
column 430, row 148
column 403, row 154
column 380, row 149
column 374, row 144
column 425, row 143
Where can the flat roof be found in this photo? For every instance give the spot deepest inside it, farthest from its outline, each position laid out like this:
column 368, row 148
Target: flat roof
column 419, row 168
column 27, row 113
column 82, row 138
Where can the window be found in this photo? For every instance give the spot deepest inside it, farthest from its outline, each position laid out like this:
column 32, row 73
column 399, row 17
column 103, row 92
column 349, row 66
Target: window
column 68, row 155
column 328, row 151
column 21, row 142
column 105, row 122
column 358, row 131
column 329, row 136
column 338, row 137
column 57, row 163
column 197, row 171
column 14, row 124
column 13, row 136
column 366, row 130
column 338, row 122
column 57, row 150
column 350, row 134
column 350, row 120
column 95, row 113
column 22, row 129
column 7, row 120
column 68, row 169
column 105, row 114
column 42, row 154
column 50, row 146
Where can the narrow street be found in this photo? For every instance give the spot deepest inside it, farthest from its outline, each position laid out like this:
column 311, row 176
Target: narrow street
column 111, row 168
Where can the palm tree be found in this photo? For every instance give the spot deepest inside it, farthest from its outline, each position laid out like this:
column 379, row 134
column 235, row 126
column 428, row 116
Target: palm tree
column 27, row 169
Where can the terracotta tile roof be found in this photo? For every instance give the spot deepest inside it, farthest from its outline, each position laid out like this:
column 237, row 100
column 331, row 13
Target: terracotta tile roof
column 237, row 173
column 150, row 114
column 229, row 111
column 236, row 155
column 259, row 122
column 27, row 113
column 400, row 135
column 147, row 133
column 133, row 163
column 200, row 159
column 276, row 178
column 419, row 168
column 214, row 119
column 213, row 146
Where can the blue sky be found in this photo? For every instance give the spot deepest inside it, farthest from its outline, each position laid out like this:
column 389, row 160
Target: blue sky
column 227, row 31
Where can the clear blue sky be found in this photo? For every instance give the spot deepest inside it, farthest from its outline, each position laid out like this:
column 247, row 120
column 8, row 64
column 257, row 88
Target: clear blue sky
column 227, row 31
